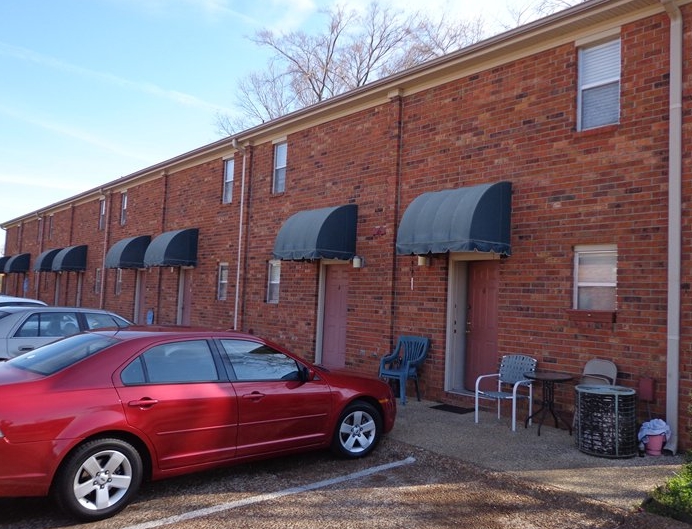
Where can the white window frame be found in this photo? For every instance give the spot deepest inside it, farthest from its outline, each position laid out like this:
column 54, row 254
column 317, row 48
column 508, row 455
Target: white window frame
column 280, row 163
column 118, row 287
column 608, row 279
column 273, row 280
column 228, row 175
column 102, row 214
column 599, row 67
column 123, row 208
column 222, row 286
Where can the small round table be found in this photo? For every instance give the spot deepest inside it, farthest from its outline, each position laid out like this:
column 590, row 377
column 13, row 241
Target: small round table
column 549, row 379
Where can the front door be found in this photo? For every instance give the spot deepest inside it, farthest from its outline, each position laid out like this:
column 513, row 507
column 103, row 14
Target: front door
column 335, row 316
column 481, row 331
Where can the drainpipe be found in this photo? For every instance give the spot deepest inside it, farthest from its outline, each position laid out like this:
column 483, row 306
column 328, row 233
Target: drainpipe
column 674, row 223
column 242, row 150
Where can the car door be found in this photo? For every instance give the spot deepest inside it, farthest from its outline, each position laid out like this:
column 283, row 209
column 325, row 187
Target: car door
column 276, row 410
column 40, row 328
column 174, row 394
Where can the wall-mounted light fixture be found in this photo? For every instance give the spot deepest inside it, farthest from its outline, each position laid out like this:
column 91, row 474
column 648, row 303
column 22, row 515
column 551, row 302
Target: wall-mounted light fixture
column 358, row 261
column 423, row 260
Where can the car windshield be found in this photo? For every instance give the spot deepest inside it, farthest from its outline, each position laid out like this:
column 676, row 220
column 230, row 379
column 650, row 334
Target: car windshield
column 56, row 356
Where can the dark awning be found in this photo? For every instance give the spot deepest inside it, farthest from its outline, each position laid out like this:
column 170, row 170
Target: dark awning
column 327, row 233
column 44, row 262
column 18, row 264
column 70, row 259
column 3, row 261
column 128, row 253
column 173, row 248
column 475, row 218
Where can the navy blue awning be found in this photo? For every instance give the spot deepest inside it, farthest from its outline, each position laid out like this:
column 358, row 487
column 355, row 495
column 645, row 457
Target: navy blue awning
column 128, row 253
column 3, row 261
column 70, row 259
column 475, row 218
column 327, row 233
column 44, row 262
column 18, row 264
column 173, row 248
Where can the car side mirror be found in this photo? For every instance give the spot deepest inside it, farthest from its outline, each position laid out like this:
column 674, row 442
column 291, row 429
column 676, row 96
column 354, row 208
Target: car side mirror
column 306, row 374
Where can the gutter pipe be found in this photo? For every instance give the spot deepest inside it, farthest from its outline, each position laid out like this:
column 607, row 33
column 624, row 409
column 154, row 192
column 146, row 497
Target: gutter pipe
column 242, row 150
column 674, row 223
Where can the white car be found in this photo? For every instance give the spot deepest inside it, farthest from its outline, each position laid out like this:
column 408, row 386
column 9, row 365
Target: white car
column 11, row 301
column 23, row 329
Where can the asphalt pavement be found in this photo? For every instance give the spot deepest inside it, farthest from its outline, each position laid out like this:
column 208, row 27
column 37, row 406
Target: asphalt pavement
column 552, row 458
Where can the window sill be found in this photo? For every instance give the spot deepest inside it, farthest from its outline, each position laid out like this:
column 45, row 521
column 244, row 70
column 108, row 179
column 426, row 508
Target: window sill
column 602, row 316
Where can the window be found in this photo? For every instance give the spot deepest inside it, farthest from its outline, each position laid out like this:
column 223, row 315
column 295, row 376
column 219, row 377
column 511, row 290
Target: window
column 97, row 281
column 102, row 214
column 599, row 85
column 123, row 208
column 280, row 155
column 50, row 227
column 228, row 170
column 170, row 363
column 274, row 281
column 256, row 361
column 222, row 287
column 118, row 281
column 595, row 272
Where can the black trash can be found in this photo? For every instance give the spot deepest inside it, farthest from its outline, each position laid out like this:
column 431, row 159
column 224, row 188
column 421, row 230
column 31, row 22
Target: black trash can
column 605, row 420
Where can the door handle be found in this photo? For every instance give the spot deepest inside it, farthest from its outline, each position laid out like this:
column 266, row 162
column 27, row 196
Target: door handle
column 255, row 395
column 26, row 348
column 143, row 403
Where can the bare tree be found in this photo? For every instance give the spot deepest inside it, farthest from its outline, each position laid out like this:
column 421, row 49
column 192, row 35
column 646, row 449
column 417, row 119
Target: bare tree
column 353, row 50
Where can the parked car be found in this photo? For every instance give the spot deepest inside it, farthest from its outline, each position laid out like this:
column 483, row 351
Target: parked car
column 87, row 418
column 23, row 329
column 12, row 301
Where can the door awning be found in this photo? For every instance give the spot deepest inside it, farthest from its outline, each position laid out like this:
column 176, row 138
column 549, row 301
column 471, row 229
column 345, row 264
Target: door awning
column 44, row 262
column 326, row 233
column 70, row 259
column 128, row 253
column 3, row 261
column 474, row 218
column 18, row 264
column 173, row 248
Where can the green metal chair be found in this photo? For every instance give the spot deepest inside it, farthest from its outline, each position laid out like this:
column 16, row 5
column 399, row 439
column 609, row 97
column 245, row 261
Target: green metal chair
column 403, row 363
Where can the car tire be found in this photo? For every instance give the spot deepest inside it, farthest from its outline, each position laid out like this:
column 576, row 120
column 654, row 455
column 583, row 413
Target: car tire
column 98, row 479
column 358, row 430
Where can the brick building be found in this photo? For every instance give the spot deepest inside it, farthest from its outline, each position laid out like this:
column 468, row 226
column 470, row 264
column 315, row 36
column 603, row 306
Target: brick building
column 523, row 195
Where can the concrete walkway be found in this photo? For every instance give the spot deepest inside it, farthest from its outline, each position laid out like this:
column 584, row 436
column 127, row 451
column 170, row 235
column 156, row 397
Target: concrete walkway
column 550, row 459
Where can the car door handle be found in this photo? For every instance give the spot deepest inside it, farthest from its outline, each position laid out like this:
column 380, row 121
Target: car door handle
column 26, row 348
column 142, row 403
column 255, row 395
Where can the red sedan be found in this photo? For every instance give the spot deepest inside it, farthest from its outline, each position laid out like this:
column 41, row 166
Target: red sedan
column 86, row 419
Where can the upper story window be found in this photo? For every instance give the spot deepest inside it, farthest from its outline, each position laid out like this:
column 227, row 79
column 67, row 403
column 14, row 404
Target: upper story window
column 123, row 208
column 280, row 157
column 228, row 170
column 599, row 85
column 102, row 214
column 595, row 277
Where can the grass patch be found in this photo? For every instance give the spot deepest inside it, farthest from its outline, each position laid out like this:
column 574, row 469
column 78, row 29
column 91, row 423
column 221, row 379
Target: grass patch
column 674, row 498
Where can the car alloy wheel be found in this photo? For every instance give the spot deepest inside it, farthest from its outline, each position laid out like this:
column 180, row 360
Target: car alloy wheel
column 99, row 479
column 358, row 430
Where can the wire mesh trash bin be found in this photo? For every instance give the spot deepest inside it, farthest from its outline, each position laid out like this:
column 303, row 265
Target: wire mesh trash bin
column 605, row 420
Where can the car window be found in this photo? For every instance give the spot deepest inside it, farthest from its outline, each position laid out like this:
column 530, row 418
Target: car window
column 255, row 361
column 53, row 357
column 188, row 361
column 48, row 324
column 100, row 321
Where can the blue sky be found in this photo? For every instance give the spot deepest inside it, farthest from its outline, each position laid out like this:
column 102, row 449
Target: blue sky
column 92, row 90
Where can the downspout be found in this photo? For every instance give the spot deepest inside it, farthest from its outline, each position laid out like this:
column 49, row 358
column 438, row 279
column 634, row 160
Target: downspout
column 674, row 223
column 242, row 150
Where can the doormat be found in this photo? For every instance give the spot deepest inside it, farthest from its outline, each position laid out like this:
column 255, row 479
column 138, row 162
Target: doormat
column 453, row 409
